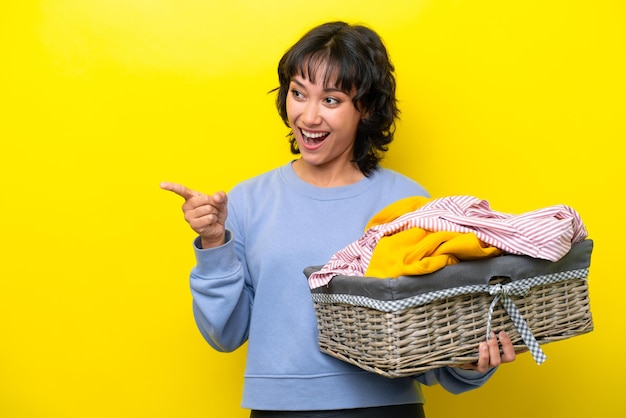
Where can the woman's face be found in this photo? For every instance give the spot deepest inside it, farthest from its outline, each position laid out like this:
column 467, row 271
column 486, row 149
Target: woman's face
column 324, row 121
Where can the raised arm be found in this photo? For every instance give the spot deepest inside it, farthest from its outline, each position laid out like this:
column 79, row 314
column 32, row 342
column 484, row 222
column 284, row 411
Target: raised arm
column 221, row 298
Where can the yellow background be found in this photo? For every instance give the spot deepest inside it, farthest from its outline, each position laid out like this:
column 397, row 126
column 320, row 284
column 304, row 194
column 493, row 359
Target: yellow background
column 520, row 103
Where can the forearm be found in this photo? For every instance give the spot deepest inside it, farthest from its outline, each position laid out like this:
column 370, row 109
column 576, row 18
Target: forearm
column 455, row 380
column 221, row 298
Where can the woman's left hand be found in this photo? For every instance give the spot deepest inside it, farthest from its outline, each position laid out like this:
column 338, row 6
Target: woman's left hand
column 489, row 355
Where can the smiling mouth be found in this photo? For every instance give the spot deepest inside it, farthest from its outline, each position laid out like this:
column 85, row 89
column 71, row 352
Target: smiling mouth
column 313, row 138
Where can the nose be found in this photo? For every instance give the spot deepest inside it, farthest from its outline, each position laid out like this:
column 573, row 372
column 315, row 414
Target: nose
column 311, row 114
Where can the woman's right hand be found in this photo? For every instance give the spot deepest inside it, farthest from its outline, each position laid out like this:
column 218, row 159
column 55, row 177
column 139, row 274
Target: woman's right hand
column 206, row 214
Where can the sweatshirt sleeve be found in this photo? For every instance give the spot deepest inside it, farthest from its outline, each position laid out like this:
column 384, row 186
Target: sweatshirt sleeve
column 455, row 380
column 222, row 299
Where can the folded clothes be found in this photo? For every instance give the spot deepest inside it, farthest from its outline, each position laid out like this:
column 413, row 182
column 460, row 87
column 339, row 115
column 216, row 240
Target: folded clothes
column 418, row 235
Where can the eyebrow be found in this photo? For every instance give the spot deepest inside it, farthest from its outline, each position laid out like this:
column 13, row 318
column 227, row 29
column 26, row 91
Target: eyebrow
column 326, row 89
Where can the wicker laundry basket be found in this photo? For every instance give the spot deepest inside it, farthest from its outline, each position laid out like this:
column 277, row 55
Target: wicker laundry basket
column 408, row 325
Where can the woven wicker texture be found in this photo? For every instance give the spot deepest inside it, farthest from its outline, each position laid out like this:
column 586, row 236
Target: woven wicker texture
column 446, row 332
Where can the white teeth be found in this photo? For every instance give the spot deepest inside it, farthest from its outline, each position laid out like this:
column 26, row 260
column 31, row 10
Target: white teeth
column 313, row 135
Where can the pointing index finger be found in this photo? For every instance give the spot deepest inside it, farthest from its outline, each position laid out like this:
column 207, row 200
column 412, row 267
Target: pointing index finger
column 179, row 189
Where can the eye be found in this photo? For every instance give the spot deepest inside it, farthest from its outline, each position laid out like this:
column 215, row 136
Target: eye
column 331, row 101
column 297, row 94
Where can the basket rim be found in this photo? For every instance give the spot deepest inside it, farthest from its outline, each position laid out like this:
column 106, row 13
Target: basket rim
column 466, row 273
column 517, row 287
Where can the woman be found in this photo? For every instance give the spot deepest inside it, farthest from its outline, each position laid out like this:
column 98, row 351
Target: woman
column 337, row 95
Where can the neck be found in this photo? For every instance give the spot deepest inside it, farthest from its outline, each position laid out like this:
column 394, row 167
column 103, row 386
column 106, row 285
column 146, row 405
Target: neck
column 326, row 176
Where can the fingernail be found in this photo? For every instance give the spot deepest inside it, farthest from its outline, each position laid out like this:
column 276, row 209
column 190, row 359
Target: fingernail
column 483, row 346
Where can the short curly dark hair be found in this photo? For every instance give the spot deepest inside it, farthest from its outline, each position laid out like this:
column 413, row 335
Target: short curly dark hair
column 355, row 58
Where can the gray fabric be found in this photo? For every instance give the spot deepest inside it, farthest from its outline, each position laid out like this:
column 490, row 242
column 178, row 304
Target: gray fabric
column 466, row 273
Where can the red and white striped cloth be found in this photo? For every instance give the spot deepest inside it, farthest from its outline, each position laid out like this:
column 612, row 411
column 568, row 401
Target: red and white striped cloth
column 546, row 233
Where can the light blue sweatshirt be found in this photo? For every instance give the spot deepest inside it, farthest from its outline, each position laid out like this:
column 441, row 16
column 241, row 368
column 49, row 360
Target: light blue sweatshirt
column 253, row 289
